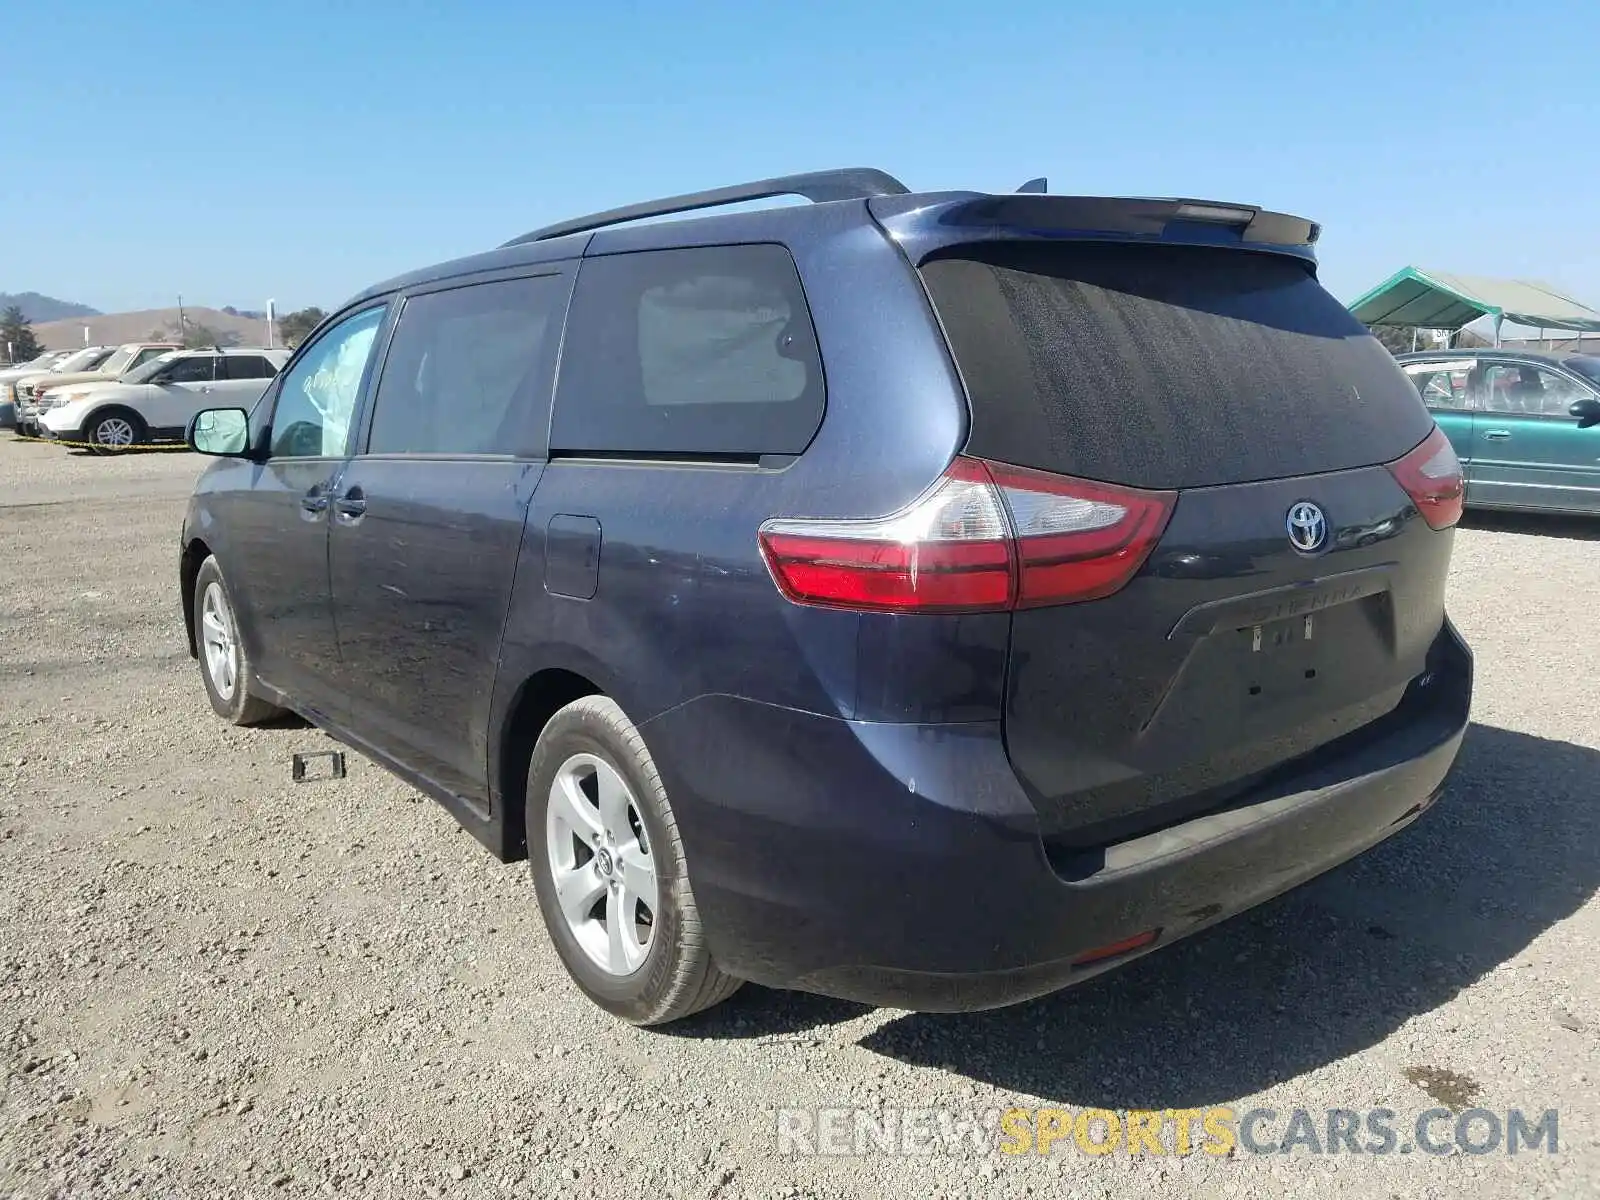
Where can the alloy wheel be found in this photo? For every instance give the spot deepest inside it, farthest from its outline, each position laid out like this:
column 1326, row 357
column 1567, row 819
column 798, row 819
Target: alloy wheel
column 114, row 431
column 220, row 641
column 601, row 862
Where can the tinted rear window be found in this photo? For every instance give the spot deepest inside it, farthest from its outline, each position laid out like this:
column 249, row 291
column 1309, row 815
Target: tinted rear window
column 247, row 366
column 689, row 352
column 1586, row 365
column 1166, row 366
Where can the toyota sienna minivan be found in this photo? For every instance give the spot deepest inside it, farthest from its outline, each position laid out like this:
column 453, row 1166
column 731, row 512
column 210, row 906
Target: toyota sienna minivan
column 931, row 600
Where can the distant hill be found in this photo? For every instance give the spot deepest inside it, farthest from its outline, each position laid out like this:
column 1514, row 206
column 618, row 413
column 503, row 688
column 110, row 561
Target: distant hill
column 115, row 328
column 39, row 308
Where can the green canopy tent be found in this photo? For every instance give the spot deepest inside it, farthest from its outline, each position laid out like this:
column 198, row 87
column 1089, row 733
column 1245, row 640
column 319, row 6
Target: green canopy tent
column 1415, row 299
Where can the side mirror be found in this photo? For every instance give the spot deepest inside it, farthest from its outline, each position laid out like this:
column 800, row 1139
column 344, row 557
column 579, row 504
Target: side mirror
column 1587, row 411
column 224, row 432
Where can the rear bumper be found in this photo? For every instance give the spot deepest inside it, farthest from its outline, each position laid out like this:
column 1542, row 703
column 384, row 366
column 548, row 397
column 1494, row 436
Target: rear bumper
column 901, row 865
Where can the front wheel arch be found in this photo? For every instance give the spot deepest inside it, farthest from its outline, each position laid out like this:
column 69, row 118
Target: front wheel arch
column 240, row 706
column 194, row 554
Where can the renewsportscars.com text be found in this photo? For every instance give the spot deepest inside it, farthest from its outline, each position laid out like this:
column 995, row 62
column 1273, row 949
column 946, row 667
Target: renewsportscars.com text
column 1217, row 1131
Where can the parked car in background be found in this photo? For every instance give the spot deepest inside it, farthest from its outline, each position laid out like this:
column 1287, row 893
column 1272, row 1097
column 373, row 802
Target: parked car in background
column 67, row 360
column 9, row 376
column 86, row 359
column 1525, row 424
column 924, row 599
column 118, row 361
column 155, row 402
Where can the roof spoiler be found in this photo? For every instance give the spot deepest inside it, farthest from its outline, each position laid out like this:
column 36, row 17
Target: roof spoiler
column 968, row 217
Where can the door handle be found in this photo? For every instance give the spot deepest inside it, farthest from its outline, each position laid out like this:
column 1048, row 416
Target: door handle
column 352, row 505
column 1497, row 435
column 314, row 502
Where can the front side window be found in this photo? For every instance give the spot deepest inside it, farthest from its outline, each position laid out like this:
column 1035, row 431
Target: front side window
column 465, row 370
column 318, row 398
column 706, row 351
column 192, row 368
column 1533, row 391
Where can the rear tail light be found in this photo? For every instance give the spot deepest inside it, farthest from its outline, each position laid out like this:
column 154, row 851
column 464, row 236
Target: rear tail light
column 987, row 537
column 1431, row 475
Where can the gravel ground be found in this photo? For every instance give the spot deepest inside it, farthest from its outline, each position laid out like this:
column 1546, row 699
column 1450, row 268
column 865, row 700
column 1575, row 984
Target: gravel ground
column 214, row 982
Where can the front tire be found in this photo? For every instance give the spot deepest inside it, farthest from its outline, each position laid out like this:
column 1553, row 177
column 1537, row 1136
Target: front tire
column 610, row 873
column 113, row 430
column 224, row 664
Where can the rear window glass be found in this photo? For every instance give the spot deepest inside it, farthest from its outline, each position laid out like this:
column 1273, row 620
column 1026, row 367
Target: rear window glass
column 689, row 352
column 1166, row 366
column 247, row 366
column 1586, row 365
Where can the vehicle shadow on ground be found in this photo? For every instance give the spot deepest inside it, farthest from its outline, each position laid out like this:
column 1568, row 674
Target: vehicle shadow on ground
column 285, row 720
column 1581, row 529
column 1319, row 974
column 756, row 1011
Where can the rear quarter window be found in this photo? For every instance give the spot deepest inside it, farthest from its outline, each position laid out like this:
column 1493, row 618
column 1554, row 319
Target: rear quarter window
column 1166, row 366
column 706, row 351
column 247, row 366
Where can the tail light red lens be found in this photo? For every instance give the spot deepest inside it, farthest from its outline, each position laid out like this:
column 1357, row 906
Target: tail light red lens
column 987, row 537
column 1078, row 540
column 1431, row 475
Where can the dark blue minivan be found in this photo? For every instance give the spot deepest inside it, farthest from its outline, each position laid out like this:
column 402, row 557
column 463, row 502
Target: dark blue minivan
column 926, row 599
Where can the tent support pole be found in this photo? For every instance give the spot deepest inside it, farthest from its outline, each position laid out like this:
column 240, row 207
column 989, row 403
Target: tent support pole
column 1498, row 317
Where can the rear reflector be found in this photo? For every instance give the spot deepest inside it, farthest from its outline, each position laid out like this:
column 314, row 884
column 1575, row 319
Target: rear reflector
column 1431, row 475
column 1113, row 949
column 986, row 537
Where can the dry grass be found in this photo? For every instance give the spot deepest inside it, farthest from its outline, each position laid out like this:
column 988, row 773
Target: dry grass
column 116, row 328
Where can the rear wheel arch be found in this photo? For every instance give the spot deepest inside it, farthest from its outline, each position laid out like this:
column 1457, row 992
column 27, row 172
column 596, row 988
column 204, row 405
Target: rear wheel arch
column 540, row 697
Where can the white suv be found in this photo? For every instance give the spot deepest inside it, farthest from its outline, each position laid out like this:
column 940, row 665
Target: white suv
column 155, row 402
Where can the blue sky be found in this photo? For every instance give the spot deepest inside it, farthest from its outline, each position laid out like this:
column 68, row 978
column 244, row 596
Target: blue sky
column 304, row 150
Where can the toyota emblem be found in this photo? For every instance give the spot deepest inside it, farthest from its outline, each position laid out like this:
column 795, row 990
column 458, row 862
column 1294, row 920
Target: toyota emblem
column 1307, row 526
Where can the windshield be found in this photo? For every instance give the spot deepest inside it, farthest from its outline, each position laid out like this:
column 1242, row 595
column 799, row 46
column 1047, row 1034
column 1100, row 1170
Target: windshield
column 142, row 373
column 83, row 360
column 1586, row 365
column 119, row 360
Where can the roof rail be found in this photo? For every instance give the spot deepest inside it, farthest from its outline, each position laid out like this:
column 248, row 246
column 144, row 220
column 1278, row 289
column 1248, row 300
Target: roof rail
column 850, row 183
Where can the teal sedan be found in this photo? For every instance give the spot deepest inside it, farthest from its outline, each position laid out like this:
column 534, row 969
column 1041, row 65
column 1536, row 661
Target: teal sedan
column 1526, row 425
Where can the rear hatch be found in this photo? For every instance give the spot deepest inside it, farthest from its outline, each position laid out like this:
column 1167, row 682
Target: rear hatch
column 1229, row 380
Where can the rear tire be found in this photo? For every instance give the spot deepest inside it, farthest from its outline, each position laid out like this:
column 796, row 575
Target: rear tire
column 113, row 430
column 224, row 663
column 613, row 841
